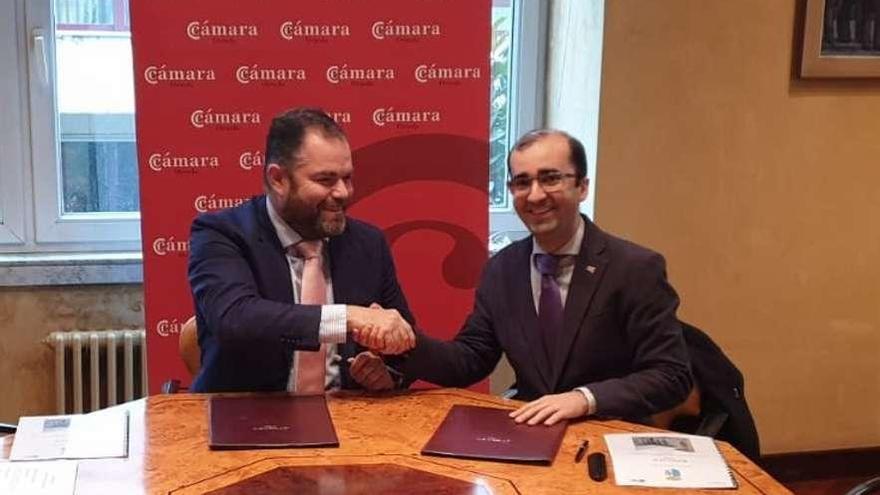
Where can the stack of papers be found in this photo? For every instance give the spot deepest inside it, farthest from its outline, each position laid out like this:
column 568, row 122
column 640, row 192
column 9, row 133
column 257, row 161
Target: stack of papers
column 668, row 460
column 78, row 436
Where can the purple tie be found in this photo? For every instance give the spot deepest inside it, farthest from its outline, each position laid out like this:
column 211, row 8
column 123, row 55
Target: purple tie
column 550, row 303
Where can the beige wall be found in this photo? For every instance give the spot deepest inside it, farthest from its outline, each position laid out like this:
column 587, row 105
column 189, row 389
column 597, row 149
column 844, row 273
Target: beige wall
column 27, row 315
column 762, row 192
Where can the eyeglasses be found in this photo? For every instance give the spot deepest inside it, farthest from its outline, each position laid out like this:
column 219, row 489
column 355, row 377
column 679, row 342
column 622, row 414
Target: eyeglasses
column 549, row 180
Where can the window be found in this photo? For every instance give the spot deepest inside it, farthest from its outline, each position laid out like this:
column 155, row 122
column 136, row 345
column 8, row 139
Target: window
column 517, row 60
column 76, row 89
column 98, row 15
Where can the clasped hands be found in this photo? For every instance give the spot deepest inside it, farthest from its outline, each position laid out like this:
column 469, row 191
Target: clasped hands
column 382, row 331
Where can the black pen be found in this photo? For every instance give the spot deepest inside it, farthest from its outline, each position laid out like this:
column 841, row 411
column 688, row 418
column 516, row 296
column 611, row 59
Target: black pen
column 581, row 451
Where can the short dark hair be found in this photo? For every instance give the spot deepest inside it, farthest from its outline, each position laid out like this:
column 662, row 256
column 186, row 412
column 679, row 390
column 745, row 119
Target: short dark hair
column 287, row 131
column 576, row 154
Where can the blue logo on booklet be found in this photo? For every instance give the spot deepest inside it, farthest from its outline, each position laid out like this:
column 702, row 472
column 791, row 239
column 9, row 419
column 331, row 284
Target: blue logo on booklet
column 673, row 474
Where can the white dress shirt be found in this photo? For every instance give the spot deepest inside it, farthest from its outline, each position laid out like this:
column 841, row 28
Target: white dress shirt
column 332, row 329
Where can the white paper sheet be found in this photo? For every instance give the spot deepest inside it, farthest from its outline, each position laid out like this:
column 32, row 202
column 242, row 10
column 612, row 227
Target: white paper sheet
column 37, row 478
column 78, row 436
column 668, row 460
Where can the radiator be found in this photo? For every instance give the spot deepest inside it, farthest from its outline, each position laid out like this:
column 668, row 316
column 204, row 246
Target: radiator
column 94, row 370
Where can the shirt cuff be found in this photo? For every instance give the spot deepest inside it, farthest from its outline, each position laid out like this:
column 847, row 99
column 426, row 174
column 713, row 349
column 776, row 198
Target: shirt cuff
column 591, row 400
column 333, row 324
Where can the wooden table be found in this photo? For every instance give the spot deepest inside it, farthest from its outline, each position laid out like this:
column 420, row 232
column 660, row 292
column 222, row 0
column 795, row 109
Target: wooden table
column 380, row 438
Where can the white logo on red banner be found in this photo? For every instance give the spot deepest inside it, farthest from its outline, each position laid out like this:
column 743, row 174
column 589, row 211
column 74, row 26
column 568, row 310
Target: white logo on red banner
column 340, row 117
column 202, row 118
column 363, row 76
column 404, row 118
column 163, row 246
column 292, row 30
column 199, row 30
column 165, row 161
column 276, row 76
column 426, row 73
column 390, row 29
column 211, row 75
column 206, row 203
column 166, row 328
column 250, row 160
column 162, row 73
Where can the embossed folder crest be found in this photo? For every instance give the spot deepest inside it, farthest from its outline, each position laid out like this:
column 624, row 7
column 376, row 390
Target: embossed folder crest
column 275, row 421
column 489, row 433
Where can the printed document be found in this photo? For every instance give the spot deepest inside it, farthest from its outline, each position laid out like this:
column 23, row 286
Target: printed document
column 668, row 460
column 78, row 436
column 38, row 478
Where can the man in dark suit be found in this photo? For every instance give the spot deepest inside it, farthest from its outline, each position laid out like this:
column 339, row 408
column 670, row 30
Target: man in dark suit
column 586, row 320
column 282, row 282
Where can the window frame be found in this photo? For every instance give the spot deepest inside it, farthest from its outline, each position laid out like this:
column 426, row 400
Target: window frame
column 12, row 140
column 529, row 53
column 121, row 21
column 35, row 171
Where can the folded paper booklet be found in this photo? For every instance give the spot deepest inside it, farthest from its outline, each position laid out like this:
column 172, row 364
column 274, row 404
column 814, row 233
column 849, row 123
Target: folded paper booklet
column 276, row 421
column 668, row 460
column 489, row 433
column 76, row 436
column 38, row 477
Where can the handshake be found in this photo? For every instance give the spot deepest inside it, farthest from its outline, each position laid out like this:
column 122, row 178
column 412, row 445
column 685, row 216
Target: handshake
column 382, row 331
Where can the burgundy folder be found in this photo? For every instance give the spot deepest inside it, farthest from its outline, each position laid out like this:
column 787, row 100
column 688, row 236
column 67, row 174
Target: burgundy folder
column 489, row 433
column 275, row 421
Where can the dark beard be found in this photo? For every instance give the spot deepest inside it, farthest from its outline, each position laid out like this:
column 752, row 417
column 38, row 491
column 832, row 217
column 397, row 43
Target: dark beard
column 315, row 227
column 330, row 228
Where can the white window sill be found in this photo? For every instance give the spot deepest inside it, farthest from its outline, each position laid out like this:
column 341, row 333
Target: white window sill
column 19, row 270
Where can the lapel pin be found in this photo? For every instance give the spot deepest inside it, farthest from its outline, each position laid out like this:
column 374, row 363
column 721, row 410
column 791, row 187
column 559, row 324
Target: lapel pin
column 591, row 268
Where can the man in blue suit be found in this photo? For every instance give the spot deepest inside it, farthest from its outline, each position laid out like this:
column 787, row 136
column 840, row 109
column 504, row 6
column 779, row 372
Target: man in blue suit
column 283, row 283
column 586, row 320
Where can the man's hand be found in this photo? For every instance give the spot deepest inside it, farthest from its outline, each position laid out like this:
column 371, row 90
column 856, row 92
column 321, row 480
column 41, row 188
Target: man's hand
column 380, row 330
column 369, row 370
column 551, row 408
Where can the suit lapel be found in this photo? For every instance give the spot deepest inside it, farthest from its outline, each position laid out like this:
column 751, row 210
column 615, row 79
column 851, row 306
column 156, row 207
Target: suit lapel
column 588, row 271
column 520, row 294
column 278, row 286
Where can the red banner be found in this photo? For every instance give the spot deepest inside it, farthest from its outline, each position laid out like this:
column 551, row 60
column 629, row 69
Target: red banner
column 408, row 81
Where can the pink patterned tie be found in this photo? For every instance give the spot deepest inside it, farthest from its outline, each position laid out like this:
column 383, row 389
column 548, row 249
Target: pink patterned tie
column 311, row 365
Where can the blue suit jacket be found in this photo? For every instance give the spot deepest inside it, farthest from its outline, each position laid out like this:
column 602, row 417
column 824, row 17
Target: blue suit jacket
column 620, row 338
column 248, row 323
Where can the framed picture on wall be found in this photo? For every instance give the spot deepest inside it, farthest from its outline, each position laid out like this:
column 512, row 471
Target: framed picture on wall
column 841, row 39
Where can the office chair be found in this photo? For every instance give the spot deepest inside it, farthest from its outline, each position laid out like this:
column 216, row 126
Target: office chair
column 722, row 411
column 188, row 346
column 190, row 353
column 690, row 408
column 872, row 486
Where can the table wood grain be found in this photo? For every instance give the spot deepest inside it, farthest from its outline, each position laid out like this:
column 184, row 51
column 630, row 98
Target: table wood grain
column 380, row 438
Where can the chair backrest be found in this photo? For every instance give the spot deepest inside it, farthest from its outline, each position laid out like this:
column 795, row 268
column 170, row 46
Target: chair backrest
column 690, row 407
column 188, row 343
column 871, row 486
column 722, row 392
